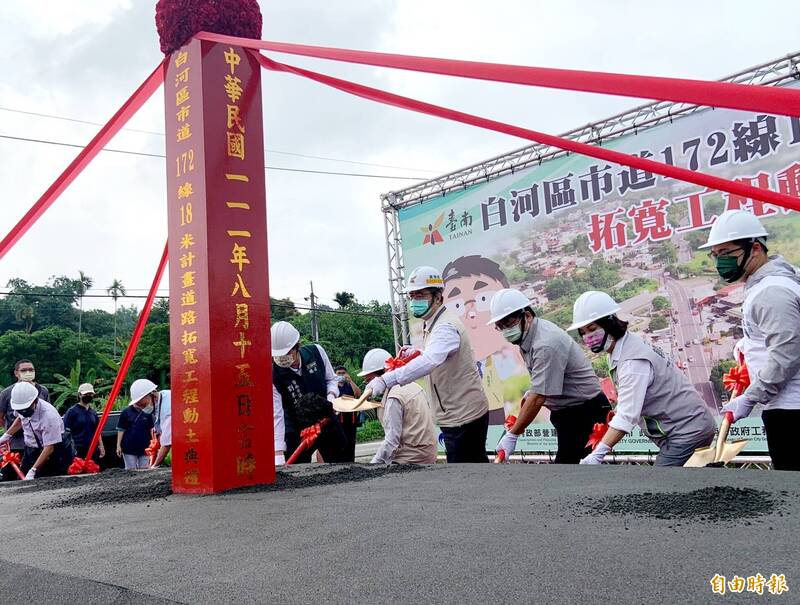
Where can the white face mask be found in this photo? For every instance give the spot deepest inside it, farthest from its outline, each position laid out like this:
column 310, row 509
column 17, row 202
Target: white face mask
column 148, row 409
column 27, row 376
column 284, row 361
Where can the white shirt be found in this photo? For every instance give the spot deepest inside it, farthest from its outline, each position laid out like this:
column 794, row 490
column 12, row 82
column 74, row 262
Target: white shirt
column 332, row 388
column 165, row 416
column 443, row 341
column 392, row 427
column 633, row 378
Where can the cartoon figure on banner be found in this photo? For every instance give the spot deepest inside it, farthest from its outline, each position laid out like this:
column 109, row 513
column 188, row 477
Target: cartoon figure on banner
column 469, row 284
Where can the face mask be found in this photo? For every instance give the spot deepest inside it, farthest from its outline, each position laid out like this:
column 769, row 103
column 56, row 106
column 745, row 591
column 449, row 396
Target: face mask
column 27, row 412
column 27, row 375
column 597, row 341
column 729, row 268
column 148, row 409
column 419, row 307
column 339, row 378
column 284, row 361
column 87, row 398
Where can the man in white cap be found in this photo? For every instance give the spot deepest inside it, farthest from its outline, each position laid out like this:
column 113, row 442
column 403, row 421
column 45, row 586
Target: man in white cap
column 298, row 371
column 771, row 325
column 410, row 437
column 562, row 379
column 81, row 420
column 46, row 454
column 460, row 406
column 135, row 425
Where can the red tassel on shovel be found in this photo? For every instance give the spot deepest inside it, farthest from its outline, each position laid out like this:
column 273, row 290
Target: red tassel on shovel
column 598, row 431
column 80, row 466
column 11, row 458
column 307, row 438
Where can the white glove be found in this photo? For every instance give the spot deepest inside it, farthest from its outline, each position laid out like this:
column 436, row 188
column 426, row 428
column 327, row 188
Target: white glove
column 280, row 459
column 596, row 457
column 406, row 351
column 331, row 397
column 5, row 438
column 741, row 407
column 508, row 444
column 31, row 475
column 377, row 386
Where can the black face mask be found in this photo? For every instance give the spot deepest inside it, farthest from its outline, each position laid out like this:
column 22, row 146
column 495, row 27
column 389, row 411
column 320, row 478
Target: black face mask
column 27, row 412
column 87, row 398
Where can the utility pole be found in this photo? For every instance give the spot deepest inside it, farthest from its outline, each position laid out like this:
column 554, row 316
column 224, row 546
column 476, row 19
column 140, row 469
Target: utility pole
column 314, row 325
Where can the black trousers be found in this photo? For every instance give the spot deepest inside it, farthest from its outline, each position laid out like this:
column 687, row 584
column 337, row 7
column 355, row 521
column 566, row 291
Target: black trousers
column 467, row 443
column 57, row 463
column 331, row 443
column 782, row 428
column 349, row 422
column 574, row 425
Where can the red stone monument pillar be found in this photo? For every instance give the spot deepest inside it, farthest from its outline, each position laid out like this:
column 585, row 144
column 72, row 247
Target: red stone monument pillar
column 219, row 293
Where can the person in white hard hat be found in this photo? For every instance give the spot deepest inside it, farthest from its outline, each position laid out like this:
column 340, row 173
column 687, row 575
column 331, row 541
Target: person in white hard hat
column 460, row 406
column 651, row 391
column 81, row 420
column 562, row 379
column 298, row 371
column 48, row 449
column 410, row 437
column 162, row 424
column 771, row 325
column 135, row 425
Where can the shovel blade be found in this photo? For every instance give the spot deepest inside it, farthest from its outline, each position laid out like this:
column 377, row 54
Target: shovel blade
column 732, row 449
column 701, row 457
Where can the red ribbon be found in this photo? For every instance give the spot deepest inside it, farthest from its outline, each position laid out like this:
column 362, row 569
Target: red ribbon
column 748, row 97
column 127, row 358
column 307, row 438
column 599, row 431
column 736, row 380
column 152, row 449
column 11, row 458
column 397, row 362
column 609, row 155
column 80, row 466
column 87, row 154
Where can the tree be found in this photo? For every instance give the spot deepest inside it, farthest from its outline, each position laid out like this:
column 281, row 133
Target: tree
column 716, row 375
column 25, row 314
column 657, row 323
column 344, row 299
column 63, row 392
column 152, row 355
column 558, row 287
column 660, row 303
column 116, row 290
column 159, row 313
column 84, row 283
column 281, row 309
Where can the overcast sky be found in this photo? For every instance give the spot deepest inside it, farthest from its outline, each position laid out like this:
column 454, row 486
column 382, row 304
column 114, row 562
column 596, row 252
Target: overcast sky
column 81, row 59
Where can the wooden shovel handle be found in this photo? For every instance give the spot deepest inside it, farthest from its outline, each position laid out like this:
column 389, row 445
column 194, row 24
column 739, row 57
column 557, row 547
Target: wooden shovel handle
column 727, row 420
column 364, row 396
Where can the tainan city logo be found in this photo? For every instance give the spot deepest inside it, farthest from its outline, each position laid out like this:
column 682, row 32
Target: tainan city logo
column 431, row 231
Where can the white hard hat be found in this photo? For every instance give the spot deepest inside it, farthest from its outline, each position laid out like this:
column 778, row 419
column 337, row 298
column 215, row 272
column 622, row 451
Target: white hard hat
column 374, row 361
column 591, row 306
column 23, row 395
column 284, row 337
column 141, row 388
column 505, row 302
column 85, row 388
column 424, row 277
column 732, row 225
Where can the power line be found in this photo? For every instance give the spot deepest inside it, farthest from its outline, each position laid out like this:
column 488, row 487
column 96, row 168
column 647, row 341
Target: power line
column 158, row 155
column 161, row 134
column 317, row 309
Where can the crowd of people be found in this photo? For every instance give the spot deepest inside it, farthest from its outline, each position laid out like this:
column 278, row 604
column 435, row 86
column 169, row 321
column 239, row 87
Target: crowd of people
column 651, row 391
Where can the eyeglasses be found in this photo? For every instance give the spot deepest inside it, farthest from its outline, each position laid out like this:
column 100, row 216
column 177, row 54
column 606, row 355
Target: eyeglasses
column 731, row 252
column 508, row 322
column 482, row 302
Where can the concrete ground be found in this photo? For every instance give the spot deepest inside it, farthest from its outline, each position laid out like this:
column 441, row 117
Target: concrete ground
column 447, row 534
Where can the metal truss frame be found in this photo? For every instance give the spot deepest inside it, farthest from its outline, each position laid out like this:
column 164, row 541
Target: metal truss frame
column 774, row 73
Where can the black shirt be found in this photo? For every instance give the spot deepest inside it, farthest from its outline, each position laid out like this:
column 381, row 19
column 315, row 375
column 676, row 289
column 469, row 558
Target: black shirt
column 137, row 425
column 82, row 423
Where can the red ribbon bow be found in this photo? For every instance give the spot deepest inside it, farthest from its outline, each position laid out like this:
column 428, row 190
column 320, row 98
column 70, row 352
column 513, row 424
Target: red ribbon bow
column 396, row 362
column 10, row 458
column 152, row 449
column 80, row 466
column 736, row 380
column 598, row 431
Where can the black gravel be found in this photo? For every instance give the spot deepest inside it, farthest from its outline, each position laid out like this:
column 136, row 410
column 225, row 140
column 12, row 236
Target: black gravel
column 120, row 486
column 719, row 503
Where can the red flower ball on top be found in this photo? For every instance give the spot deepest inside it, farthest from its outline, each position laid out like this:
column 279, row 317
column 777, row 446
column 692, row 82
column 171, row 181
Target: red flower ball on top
column 178, row 20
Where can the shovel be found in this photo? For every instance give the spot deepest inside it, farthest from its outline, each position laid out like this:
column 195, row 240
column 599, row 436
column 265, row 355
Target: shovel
column 350, row 404
column 722, row 452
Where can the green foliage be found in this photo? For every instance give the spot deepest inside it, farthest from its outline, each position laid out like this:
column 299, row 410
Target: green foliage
column 371, row 430
column 152, row 356
column 64, row 392
column 657, row 323
column 343, row 299
column 601, row 366
column 281, row 309
column 602, row 274
column 634, row 287
column 660, row 303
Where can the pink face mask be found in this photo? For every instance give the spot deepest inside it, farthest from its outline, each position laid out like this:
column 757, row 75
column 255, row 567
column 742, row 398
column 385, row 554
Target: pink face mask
column 596, row 340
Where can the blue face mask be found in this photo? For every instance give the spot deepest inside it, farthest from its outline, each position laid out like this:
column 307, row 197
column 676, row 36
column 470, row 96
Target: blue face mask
column 419, row 307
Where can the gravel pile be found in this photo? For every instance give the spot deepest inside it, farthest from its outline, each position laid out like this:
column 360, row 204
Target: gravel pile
column 719, row 503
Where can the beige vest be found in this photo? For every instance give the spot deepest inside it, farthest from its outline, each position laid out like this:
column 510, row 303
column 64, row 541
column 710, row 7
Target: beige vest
column 455, row 387
column 418, row 435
